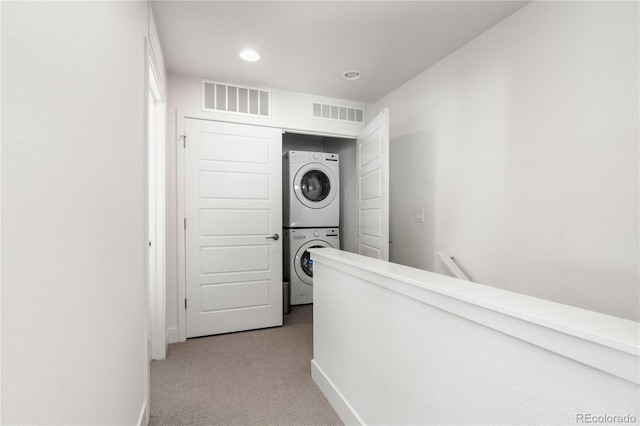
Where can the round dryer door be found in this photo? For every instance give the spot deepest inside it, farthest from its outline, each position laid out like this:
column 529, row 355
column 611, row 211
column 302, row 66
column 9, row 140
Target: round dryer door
column 302, row 264
column 315, row 185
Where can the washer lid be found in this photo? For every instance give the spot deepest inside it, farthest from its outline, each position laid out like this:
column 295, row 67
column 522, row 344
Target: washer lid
column 302, row 263
column 315, row 185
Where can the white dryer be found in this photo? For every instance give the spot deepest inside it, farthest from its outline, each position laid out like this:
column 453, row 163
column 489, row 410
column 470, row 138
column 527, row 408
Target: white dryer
column 298, row 263
column 311, row 196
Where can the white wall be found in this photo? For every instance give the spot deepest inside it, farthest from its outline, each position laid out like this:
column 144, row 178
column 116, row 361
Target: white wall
column 289, row 110
column 73, row 218
column 394, row 345
column 412, row 185
column 528, row 145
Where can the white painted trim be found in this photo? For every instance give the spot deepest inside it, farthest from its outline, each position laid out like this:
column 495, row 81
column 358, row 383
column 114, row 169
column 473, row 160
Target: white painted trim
column 180, row 216
column 157, row 75
column 155, row 54
column 143, row 418
column 147, row 281
column 172, row 336
column 312, row 133
column 248, row 119
column 344, row 410
column 601, row 341
column 157, row 288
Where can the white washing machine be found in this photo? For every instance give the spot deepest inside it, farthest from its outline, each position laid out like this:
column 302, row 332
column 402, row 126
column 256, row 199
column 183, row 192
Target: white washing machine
column 298, row 263
column 311, row 196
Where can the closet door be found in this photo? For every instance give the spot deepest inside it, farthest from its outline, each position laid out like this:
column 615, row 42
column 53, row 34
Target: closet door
column 233, row 207
column 372, row 186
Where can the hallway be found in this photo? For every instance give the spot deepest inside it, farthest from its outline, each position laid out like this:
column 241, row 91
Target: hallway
column 259, row 377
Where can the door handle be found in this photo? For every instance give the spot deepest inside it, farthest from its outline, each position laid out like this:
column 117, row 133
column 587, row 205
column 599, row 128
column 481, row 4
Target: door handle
column 274, row 237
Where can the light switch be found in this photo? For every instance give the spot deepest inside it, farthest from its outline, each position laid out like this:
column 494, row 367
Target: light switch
column 419, row 215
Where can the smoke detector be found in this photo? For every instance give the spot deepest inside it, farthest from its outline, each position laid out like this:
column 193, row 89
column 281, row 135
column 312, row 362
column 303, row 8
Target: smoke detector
column 351, row 75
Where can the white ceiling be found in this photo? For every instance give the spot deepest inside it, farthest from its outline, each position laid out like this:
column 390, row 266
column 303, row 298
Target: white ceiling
column 307, row 45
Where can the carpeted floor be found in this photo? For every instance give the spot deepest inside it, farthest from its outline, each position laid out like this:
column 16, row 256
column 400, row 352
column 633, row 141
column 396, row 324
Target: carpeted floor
column 259, row 377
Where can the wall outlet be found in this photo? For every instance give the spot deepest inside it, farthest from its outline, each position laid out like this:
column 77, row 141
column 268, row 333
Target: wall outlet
column 419, row 215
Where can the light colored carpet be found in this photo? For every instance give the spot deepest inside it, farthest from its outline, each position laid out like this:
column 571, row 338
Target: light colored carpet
column 259, row 377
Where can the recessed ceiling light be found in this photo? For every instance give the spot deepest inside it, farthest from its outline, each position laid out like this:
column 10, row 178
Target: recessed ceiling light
column 249, row 55
column 351, row 75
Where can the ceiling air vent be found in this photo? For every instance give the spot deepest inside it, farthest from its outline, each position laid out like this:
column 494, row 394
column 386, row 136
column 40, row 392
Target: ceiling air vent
column 338, row 112
column 223, row 97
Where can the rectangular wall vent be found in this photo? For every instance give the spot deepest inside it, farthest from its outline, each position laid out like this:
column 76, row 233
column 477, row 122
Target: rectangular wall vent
column 234, row 99
column 338, row 112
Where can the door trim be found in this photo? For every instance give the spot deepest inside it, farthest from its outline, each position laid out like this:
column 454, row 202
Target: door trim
column 181, row 237
column 157, row 237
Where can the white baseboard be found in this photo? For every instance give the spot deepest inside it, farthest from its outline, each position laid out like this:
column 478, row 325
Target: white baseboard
column 172, row 335
column 143, row 419
column 333, row 395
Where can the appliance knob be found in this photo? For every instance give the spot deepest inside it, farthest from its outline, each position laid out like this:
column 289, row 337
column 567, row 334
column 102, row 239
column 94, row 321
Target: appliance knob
column 316, row 156
column 316, row 234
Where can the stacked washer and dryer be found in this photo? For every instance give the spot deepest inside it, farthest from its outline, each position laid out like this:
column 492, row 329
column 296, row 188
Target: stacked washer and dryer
column 311, row 212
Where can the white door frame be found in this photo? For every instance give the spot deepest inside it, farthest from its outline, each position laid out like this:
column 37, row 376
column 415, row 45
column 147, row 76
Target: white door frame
column 156, row 212
column 181, row 116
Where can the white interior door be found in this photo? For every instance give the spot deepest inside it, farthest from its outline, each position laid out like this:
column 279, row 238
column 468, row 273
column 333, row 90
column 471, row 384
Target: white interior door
column 372, row 177
column 233, row 208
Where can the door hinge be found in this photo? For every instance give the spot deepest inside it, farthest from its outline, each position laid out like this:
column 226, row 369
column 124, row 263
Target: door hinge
column 184, row 141
column 185, row 223
column 185, row 303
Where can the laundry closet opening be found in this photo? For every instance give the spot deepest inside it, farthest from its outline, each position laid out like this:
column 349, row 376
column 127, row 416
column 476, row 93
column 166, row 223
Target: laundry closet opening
column 318, row 175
